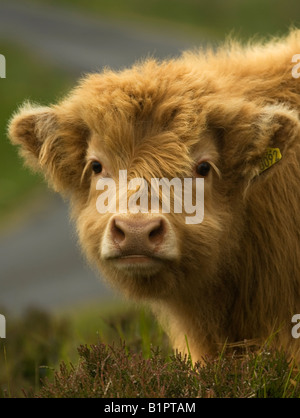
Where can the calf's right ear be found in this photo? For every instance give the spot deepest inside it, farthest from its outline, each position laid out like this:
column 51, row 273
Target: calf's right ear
column 53, row 141
column 29, row 128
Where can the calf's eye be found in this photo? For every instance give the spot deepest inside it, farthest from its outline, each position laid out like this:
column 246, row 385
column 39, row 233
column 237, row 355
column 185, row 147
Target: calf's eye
column 96, row 167
column 202, row 169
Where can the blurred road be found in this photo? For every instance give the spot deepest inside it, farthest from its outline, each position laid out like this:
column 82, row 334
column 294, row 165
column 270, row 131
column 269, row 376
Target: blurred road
column 40, row 264
column 79, row 43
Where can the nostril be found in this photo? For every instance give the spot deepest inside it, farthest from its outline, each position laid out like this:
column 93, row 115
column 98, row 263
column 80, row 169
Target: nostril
column 156, row 235
column 117, row 232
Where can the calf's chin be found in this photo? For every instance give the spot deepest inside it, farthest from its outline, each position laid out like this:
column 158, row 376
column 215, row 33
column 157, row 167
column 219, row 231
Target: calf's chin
column 151, row 257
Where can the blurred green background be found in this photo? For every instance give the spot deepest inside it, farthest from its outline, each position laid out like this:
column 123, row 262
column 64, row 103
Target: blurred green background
column 212, row 18
column 29, row 77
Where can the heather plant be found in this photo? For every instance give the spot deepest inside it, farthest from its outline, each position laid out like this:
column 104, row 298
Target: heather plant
column 36, row 361
column 107, row 371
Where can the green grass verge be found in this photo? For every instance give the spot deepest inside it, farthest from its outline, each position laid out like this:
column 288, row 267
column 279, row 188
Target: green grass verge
column 27, row 78
column 84, row 355
column 214, row 18
column 38, row 342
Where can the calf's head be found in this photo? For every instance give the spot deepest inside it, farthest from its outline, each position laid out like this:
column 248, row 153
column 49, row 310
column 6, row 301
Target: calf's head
column 151, row 122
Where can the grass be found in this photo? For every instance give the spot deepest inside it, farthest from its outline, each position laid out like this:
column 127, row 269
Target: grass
column 26, row 78
column 214, row 18
column 103, row 365
column 124, row 370
column 114, row 322
column 116, row 372
column 38, row 342
column 32, row 344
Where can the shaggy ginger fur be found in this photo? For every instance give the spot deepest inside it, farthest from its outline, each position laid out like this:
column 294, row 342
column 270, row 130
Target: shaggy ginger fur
column 236, row 275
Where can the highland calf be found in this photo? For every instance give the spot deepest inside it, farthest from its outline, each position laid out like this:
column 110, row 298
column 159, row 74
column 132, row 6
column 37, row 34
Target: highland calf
column 209, row 115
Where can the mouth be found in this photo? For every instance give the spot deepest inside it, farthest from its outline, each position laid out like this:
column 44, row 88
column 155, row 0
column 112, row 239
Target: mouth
column 134, row 259
column 136, row 262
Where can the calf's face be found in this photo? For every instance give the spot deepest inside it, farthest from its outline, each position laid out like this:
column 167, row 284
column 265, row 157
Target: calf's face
column 146, row 254
column 150, row 128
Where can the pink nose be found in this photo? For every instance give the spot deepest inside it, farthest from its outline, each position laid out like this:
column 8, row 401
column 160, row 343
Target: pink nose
column 138, row 236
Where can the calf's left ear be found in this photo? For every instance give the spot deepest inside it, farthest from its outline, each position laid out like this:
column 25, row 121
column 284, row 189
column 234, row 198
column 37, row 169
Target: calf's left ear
column 248, row 131
column 271, row 135
column 51, row 142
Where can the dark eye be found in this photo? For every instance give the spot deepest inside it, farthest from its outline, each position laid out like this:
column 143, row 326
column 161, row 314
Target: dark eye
column 96, row 167
column 203, row 169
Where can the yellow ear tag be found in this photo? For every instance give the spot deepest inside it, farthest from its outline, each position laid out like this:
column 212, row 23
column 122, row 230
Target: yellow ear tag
column 272, row 156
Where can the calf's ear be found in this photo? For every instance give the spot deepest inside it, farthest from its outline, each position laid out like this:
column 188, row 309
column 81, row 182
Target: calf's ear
column 29, row 128
column 249, row 132
column 270, row 139
column 51, row 142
